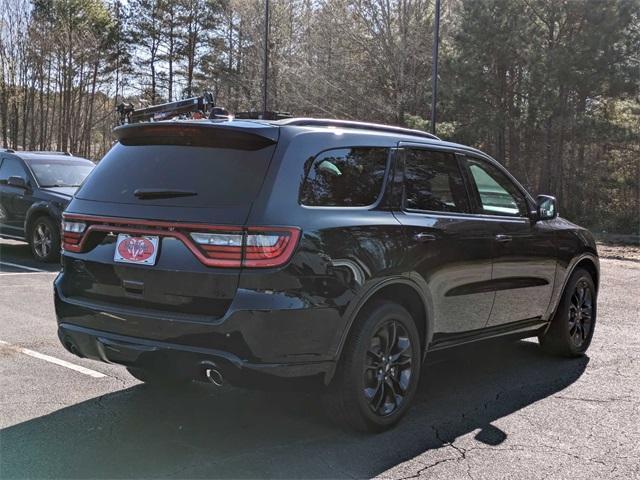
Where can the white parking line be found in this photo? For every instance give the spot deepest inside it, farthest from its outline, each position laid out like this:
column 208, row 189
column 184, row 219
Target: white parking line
column 57, row 361
column 6, row 274
column 17, row 265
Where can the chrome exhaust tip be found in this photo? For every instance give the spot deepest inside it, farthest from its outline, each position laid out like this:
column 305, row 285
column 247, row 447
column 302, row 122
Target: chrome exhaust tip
column 214, row 376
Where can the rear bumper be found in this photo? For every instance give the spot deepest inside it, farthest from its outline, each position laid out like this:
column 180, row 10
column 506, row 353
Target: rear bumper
column 244, row 343
column 175, row 359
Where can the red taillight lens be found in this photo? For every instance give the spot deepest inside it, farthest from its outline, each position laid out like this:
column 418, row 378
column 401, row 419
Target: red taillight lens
column 72, row 234
column 255, row 247
column 269, row 248
column 223, row 248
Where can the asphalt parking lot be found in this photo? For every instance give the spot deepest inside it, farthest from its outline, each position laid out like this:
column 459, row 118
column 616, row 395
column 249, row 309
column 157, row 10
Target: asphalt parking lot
column 499, row 410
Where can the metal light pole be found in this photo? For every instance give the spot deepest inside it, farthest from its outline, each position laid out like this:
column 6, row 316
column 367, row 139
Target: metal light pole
column 434, row 80
column 265, row 75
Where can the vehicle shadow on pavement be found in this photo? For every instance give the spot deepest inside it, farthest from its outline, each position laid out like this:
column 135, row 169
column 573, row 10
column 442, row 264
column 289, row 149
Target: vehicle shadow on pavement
column 233, row 433
column 20, row 253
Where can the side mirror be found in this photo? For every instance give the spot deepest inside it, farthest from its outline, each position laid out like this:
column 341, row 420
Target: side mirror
column 547, row 207
column 18, row 182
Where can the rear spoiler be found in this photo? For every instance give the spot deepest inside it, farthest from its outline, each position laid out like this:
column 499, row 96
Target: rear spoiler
column 200, row 133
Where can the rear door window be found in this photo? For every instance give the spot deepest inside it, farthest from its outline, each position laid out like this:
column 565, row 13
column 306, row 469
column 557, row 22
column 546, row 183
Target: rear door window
column 202, row 176
column 11, row 168
column 345, row 177
column 433, row 182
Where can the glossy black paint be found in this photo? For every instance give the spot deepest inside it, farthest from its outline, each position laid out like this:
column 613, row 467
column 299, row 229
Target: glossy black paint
column 20, row 206
column 453, row 272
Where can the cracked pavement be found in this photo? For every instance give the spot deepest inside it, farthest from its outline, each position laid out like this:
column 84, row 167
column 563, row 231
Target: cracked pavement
column 489, row 411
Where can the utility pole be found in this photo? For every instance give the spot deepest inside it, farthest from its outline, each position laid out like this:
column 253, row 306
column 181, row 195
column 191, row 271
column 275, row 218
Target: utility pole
column 434, row 80
column 265, row 74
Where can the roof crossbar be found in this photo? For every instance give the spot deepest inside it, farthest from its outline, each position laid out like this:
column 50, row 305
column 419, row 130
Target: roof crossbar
column 37, row 152
column 256, row 115
column 327, row 122
column 51, row 152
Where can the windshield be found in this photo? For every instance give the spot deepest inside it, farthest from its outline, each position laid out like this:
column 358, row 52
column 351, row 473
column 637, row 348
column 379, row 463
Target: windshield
column 57, row 174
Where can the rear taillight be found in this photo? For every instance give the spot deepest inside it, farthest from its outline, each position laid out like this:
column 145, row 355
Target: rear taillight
column 215, row 246
column 253, row 247
column 72, row 234
column 269, row 248
column 73, row 227
column 222, row 249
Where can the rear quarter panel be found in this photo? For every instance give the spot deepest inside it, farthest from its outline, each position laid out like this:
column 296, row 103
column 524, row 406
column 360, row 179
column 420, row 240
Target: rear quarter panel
column 343, row 252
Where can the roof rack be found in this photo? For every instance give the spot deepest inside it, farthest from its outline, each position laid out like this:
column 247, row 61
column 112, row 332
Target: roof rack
column 50, row 152
column 269, row 115
column 37, row 152
column 327, row 122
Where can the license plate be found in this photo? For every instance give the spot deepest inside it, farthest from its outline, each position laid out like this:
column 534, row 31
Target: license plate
column 142, row 250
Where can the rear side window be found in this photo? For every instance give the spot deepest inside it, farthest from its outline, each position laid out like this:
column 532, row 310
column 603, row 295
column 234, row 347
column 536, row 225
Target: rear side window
column 11, row 168
column 204, row 176
column 345, row 177
column 433, row 182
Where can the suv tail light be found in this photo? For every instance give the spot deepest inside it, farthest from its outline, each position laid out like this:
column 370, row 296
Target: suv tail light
column 72, row 232
column 215, row 246
column 253, row 247
column 73, row 227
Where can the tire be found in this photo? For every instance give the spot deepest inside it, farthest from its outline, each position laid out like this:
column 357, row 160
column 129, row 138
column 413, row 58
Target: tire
column 369, row 393
column 44, row 239
column 158, row 379
column 572, row 327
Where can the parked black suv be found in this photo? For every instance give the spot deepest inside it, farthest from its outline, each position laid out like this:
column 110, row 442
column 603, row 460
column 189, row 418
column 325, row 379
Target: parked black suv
column 300, row 248
column 35, row 187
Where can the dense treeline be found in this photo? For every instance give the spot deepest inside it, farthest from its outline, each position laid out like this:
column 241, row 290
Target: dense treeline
column 548, row 87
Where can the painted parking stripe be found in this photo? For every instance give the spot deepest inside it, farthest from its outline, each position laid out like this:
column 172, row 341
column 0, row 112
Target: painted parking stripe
column 57, row 361
column 6, row 274
column 17, row 265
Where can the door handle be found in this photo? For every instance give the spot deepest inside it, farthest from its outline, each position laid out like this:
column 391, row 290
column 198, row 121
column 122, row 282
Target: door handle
column 424, row 237
column 503, row 238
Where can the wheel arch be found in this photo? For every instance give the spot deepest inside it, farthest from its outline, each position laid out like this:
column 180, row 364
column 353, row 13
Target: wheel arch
column 590, row 266
column 402, row 290
column 589, row 262
column 37, row 210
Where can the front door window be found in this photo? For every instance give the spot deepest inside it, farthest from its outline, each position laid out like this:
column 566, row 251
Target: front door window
column 497, row 195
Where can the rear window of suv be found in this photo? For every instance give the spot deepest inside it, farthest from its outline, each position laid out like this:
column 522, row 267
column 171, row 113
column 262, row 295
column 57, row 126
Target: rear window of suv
column 211, row 176
column 345, row 177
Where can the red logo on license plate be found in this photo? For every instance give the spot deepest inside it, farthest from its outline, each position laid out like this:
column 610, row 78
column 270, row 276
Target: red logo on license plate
column 136, row 249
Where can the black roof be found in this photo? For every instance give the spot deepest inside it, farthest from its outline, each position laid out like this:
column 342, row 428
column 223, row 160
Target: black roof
column 377, row 127
column 253, row 123
column 267, row 129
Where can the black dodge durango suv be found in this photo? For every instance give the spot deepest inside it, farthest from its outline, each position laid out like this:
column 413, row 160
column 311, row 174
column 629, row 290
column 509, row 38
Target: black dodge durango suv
column 247, row 250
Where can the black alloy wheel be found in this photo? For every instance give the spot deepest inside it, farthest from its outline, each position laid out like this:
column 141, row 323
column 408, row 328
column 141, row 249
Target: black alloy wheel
column 581, row 313
column 377, row 376
column 45, row 240
column 571, row 329
column 387, row 370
